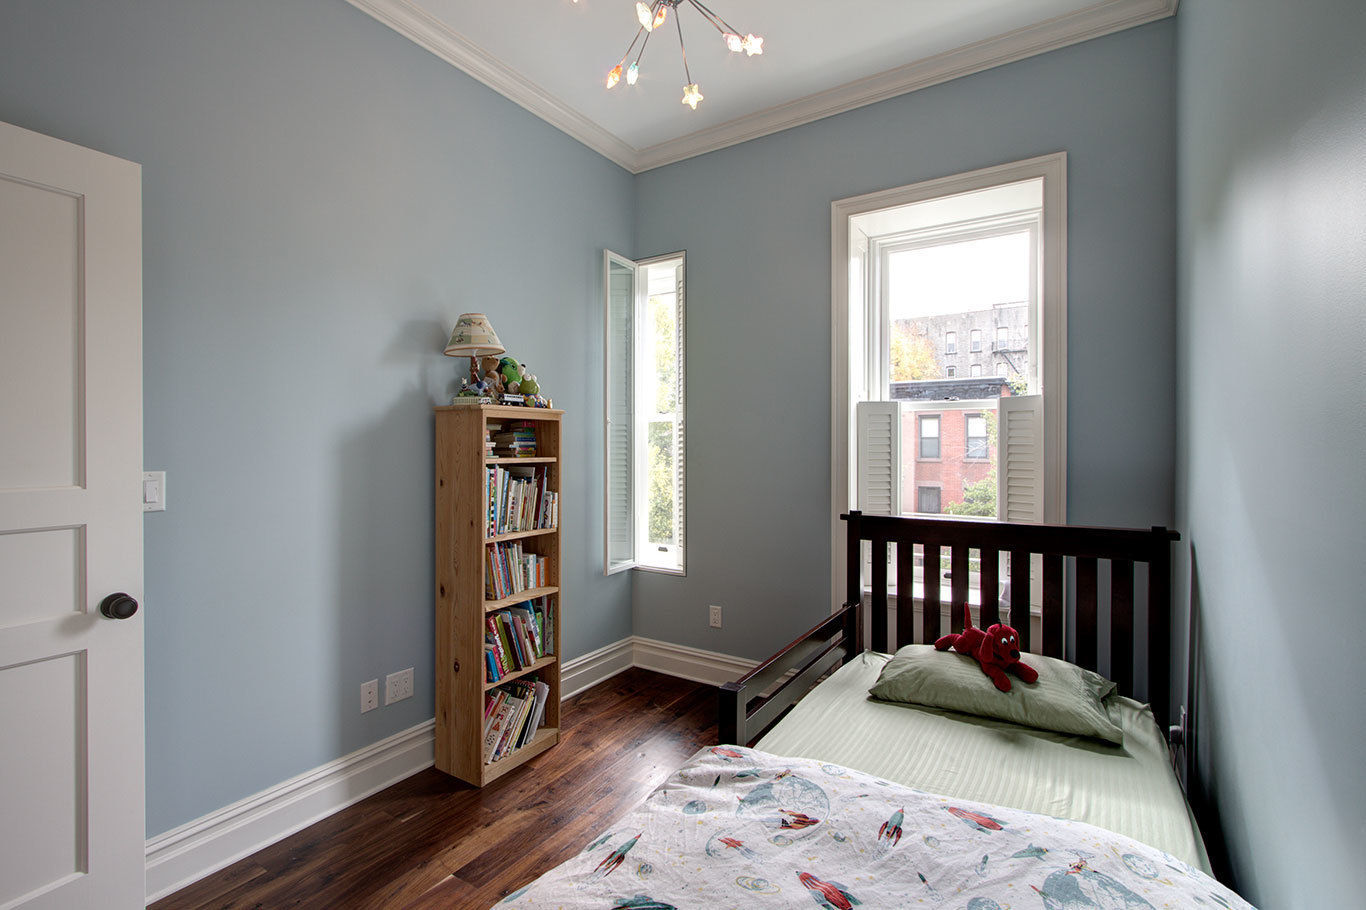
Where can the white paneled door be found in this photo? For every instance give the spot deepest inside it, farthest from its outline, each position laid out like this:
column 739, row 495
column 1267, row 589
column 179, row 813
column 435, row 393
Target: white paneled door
column 71, row 728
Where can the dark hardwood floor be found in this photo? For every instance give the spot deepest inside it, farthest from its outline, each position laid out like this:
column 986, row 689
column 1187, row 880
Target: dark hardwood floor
column 431, row 841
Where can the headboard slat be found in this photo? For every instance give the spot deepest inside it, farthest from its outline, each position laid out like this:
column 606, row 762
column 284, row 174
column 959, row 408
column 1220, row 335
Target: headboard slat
column 1052, row 605
column 1086, row 611
column 880, row 593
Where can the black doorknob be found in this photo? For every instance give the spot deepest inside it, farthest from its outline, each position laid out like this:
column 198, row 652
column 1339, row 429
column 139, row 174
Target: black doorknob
column 118, row 606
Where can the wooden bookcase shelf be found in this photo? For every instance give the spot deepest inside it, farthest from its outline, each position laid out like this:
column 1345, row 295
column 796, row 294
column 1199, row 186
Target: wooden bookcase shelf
column 461, row 604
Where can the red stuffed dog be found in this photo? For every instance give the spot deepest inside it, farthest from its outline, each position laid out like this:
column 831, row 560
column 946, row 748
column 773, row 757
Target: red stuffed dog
column 997, row 650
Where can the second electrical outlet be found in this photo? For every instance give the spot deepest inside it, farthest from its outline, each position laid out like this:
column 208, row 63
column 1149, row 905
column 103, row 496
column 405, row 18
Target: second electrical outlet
column 398, row 686
column 715, row 620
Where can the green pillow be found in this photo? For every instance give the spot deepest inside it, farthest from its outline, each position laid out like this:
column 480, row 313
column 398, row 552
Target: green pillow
column 1066, row 699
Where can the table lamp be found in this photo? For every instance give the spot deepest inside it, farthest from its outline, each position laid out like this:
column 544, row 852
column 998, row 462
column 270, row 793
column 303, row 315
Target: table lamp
column 473, row 337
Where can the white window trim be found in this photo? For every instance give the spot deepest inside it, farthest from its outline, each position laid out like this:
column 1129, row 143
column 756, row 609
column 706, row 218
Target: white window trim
column 848, row 245
column 639, row 419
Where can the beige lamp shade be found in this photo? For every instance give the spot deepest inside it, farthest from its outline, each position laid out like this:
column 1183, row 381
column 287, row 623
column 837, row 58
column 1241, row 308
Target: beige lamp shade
column 473, row 336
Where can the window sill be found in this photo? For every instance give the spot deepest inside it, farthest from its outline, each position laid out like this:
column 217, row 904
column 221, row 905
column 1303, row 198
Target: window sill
column 660, row 570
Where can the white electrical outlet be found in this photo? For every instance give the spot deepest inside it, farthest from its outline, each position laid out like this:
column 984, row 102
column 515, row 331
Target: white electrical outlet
column 398, row 686
column 369, row 695
column 715, row 619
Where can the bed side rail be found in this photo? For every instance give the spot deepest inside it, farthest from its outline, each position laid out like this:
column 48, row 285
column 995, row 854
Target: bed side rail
column 751, row 704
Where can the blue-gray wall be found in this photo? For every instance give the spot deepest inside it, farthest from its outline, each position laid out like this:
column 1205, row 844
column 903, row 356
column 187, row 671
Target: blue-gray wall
column 321, row 199
column 755, row 220
column 1271, row 383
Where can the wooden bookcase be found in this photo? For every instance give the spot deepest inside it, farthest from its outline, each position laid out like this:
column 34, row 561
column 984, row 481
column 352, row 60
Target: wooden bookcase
column 461, row 604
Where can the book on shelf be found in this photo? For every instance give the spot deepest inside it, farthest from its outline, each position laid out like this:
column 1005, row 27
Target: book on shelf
column 516, row 637
column 518, row 499
column 508, row 570
column 513, row 713
column 519, row 441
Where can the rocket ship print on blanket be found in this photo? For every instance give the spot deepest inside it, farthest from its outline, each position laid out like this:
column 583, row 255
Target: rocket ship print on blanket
column 616, row 857
column 890, row 832
column 830, row 895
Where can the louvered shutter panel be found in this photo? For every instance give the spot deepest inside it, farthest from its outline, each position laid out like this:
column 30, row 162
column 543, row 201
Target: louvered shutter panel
column 620, row 530
column 878, row 427
column 681, row 411
column 1021, row 459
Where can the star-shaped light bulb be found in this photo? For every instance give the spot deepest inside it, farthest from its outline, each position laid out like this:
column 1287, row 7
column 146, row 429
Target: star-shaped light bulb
column 752, row 45
column 691, row 95
column 632, row 74
column 734, row 42
column 614, row 76
column 646, row 17
column 661, row 16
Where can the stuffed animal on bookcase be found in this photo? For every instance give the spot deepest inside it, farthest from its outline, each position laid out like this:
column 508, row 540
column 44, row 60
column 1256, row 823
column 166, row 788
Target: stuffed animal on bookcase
column 996, row 649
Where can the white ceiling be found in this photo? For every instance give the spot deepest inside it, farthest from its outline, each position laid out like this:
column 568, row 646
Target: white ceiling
column 820, row 57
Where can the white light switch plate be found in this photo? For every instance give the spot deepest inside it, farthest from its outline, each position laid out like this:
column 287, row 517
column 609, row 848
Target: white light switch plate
column 154, row 491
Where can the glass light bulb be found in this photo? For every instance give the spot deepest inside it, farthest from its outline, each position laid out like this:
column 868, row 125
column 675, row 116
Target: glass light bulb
column 691, row 95
column 734, row 42
column 614, row 76
column 646, row 17
column 632, row 74
column 753, row 44
column 661, row 16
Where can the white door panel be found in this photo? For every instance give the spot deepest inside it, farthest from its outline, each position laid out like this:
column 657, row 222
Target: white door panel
column 71, row 754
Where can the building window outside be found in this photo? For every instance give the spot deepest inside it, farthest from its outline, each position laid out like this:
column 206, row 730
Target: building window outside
column 976, row 340
column 952, row 372
column 950, row 342
column 929, row 436
column 976, row 436
column 1001, row 369
column 927, row 500
column 975, row 370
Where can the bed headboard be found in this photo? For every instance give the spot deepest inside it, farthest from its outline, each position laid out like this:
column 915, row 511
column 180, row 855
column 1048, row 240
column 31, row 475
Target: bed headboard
column 756, row 700
column 1054, row 546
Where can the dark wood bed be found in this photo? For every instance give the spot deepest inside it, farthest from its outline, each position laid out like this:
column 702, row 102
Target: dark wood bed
column 751, row 704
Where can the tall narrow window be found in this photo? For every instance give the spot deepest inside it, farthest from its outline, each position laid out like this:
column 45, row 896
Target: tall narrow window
column 976, row 340
column 644, row 432
column 950, row 342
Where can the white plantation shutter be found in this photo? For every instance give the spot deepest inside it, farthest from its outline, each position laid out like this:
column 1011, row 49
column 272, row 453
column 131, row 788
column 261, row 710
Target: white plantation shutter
column 879, row 457
column 1020, row 485
column 681, row 410
column 620, row 290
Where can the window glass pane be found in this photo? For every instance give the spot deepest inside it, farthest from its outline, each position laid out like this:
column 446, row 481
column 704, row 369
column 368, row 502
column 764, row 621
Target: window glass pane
column 927, row 500
column 929, row 437
column 660, row 468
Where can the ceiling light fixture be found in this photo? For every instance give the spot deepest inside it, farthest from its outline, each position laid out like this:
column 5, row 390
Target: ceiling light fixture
column 652, row 15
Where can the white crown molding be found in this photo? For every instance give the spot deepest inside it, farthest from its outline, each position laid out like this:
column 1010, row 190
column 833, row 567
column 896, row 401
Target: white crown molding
column 1102, row 18
column 426, row 30
column 1093, row 22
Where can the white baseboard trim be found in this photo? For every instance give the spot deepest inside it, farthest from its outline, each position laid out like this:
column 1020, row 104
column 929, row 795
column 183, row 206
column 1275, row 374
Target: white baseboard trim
column 587, row 671
column 205, row 845
column 693, row 664
column 201, row 847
